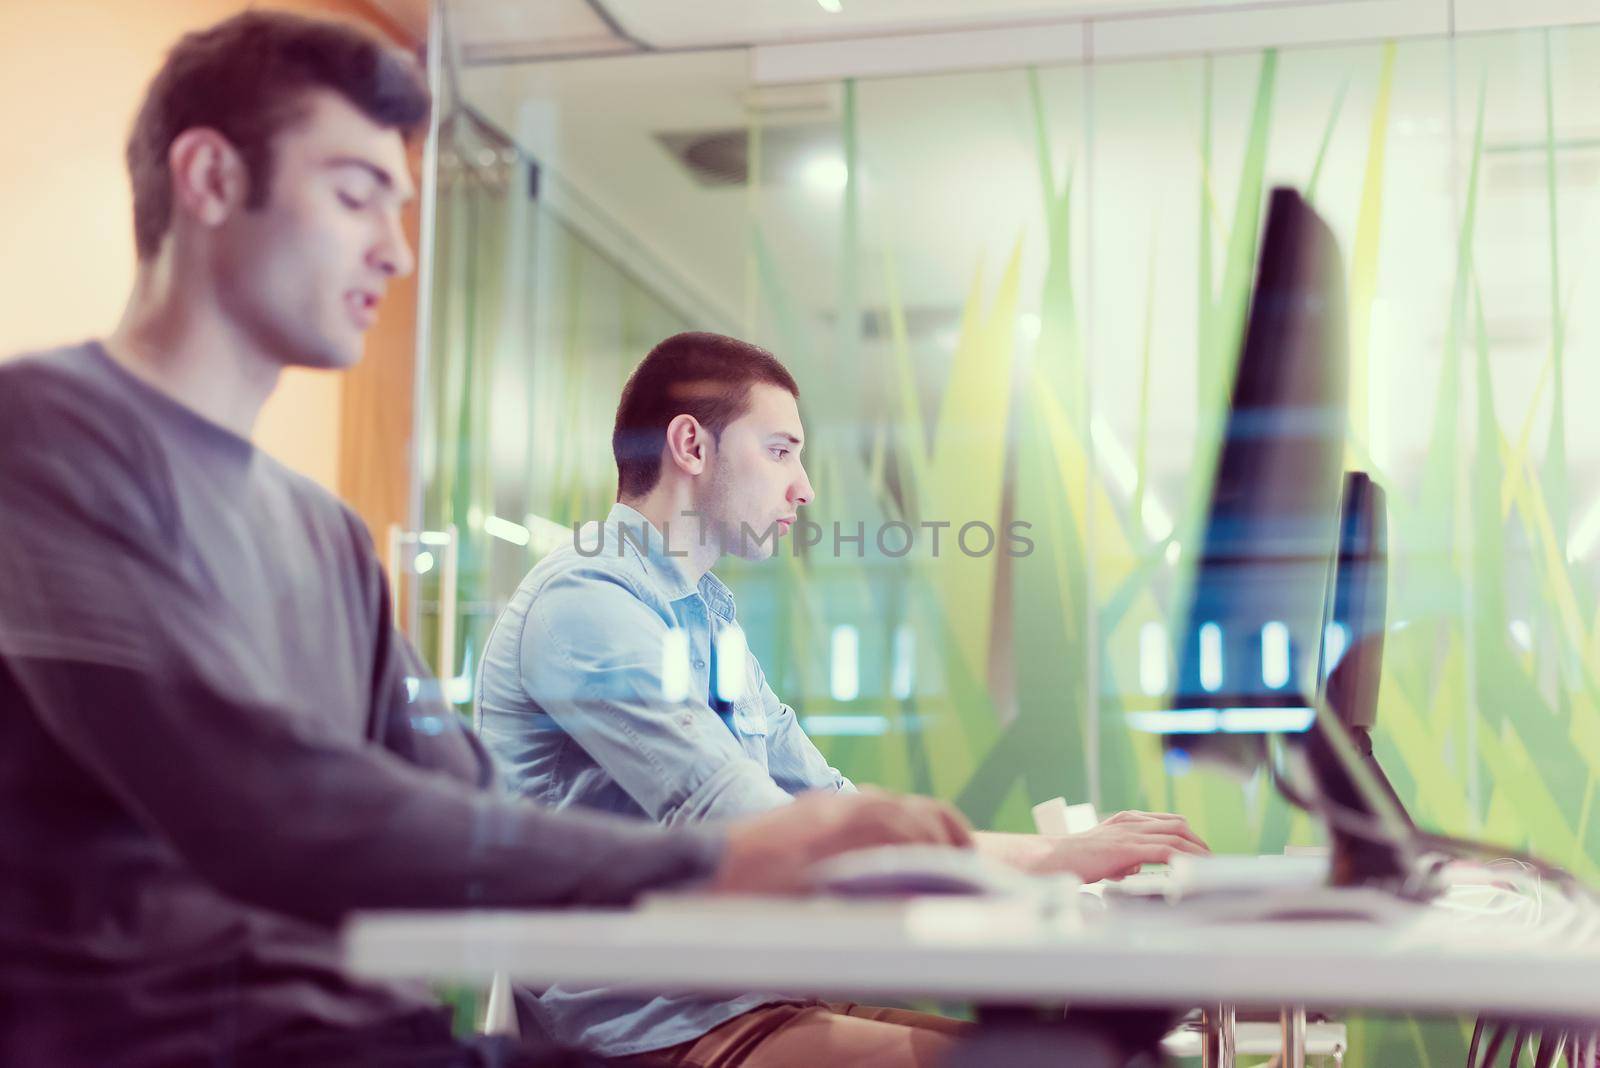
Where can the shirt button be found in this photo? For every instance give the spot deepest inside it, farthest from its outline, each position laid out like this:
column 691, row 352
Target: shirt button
column 698, row 664
column 686, row 719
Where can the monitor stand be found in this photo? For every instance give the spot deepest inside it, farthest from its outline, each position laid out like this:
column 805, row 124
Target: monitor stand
column 1357, row 859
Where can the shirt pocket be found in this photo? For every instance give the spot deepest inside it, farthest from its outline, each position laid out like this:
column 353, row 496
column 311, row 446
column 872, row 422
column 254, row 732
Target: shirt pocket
column 750, row 725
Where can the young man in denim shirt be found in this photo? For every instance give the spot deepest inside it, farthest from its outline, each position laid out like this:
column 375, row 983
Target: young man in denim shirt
column 583, row 701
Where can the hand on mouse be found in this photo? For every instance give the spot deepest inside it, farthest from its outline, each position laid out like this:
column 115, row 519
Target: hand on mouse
column 770, row 853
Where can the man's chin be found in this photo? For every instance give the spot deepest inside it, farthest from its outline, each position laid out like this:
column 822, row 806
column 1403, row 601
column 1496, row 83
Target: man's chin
column 756, row 552
column 754, row 548
column 331, row 355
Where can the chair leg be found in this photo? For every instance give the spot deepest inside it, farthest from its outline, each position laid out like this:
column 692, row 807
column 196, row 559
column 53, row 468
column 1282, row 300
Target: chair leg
column 500, row 1016
column 1293, row 1054
column 1217, row 1038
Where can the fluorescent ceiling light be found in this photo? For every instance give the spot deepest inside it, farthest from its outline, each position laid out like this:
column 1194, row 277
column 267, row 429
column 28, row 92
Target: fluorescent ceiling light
column 1211, row 657
column 905, row 662
column 732, row 651
column 844, row 677
column 1177, row 721
column 1294, row 720
column 825, row 173
column 506, row 530
column 675, row 666
column 1153, row 659
column 846, row 726
column 1275, row 655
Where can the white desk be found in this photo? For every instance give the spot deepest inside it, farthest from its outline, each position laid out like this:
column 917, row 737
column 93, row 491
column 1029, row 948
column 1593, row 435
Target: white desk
column 1003, row 953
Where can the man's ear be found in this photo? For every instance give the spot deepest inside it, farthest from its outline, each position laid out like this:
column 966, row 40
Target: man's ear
column 687, row 444
column 209, row 178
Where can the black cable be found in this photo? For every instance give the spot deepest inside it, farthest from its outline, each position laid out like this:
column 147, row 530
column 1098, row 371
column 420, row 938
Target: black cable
column 1358, row 824
column 1477, row 1039
column 1291, row 793
column 1492, row 851
column 1361, row 825
column 1351, row 822
column 1549, row 1049
column 1495, row 1042
column 616, row 28
column 1371, row 829
column 1348, row 820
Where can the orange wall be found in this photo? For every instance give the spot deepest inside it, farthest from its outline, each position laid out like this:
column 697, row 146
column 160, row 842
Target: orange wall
column 71, row 76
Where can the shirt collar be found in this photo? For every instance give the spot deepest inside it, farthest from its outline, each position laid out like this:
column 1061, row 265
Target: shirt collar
column 667, row 570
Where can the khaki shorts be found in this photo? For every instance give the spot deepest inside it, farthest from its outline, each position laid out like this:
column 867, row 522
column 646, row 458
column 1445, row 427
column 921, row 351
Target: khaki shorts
column 813, row 1034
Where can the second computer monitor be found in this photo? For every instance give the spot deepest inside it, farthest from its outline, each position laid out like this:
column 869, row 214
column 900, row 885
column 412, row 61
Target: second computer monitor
column 1356, row 599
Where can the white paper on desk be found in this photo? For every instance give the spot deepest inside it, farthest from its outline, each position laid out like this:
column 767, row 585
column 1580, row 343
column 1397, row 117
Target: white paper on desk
column 1055, row 816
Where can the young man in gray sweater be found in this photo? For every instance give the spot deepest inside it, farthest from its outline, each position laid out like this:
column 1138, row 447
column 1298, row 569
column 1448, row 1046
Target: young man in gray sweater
column 212, row 742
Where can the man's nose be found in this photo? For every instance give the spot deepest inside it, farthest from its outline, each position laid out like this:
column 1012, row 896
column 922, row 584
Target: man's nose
column 800, row 491
column 392, row 254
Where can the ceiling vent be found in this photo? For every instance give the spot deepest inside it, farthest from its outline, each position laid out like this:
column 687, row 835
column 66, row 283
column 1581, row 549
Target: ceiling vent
column 1524, row 163
column 789, row 152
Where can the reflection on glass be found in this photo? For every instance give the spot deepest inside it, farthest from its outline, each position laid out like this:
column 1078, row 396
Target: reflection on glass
column 844, row 678
column 675, row 666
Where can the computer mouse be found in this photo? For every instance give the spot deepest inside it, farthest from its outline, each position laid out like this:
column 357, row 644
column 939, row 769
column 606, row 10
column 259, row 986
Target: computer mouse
column 909, row 871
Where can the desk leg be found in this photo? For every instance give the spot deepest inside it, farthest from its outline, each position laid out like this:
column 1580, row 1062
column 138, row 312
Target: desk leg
column 1216, row 1040
column 1293, row 1054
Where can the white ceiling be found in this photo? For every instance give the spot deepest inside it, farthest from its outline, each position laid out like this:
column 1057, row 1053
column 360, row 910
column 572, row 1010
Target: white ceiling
column 949, row 180
column 707, row 22
column 499, row 29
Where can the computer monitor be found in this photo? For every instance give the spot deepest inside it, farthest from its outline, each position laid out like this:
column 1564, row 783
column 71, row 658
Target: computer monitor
column 1285, row 623
column 1248, row 650
column 1341, row 770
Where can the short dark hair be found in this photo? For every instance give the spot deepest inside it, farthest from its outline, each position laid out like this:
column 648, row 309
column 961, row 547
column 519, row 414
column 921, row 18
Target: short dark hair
column 246, row 77
column 708, row 376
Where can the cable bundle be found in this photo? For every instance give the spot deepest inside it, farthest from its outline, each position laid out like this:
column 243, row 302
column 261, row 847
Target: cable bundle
column 1546, row 1045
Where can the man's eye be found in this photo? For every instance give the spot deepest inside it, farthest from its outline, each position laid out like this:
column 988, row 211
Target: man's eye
column 351, row 201
column 780, row 453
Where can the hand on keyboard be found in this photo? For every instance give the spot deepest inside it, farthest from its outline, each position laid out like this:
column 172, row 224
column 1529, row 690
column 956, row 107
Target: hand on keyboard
column 1118, row 845
column 772, row 853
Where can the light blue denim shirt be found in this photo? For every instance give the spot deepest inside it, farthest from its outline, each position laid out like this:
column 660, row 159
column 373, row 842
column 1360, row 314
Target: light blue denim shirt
column 571, row 701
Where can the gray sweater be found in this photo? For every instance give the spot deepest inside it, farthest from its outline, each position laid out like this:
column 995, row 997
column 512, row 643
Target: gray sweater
column 212, row 745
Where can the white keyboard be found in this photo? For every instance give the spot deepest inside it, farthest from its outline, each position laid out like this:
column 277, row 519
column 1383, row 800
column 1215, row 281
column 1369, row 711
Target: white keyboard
column 1190, row 876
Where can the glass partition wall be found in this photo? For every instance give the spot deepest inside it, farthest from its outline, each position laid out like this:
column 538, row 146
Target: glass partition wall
column 1012, row 300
